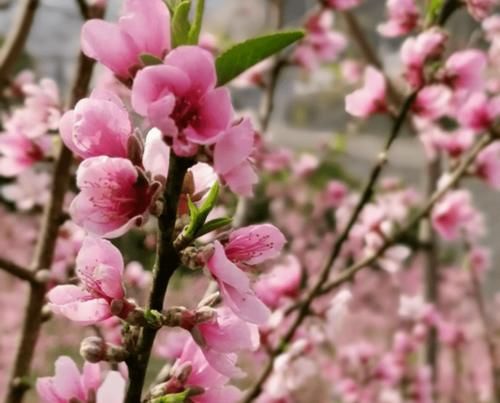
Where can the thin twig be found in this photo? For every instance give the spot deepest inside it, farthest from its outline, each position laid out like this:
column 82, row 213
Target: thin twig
column 16, row 270
column 16, row 38
column 46, row 243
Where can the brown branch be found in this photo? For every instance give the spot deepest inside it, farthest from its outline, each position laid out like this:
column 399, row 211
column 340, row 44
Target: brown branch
column 84, row 9
column 16, row 38
column 267, row 102
column 431, row 266
column 52, row 219
column 16, row 270
column 167, row 261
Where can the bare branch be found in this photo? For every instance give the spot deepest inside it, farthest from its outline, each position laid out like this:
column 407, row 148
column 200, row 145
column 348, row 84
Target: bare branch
column 16, row 270
column 16, row 38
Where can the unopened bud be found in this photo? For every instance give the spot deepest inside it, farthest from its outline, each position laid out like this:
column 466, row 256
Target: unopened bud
column 204, row 314
column 93, row 349
column 42, row 276
column 46, row 313
column 210, row 300
column 182, row 372
column 117, row 306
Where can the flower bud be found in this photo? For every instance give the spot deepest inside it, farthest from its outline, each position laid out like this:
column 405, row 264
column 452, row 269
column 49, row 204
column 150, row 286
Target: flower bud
column 182, row 372
column 204, row 314
column 93, row 349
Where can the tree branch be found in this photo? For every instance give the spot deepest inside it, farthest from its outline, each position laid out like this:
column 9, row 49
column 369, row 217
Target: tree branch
column 431, row 274
column 16, row 270
column 16, row 38
column 167, row 261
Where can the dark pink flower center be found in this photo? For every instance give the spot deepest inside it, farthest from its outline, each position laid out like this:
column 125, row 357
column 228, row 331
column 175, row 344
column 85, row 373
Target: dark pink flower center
column 185, row 113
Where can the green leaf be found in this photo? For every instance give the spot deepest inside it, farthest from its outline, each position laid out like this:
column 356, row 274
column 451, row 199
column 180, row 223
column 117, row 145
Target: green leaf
column 198, row 215
column 150, row 60
column 244, row 55
column 193, row 210
column 433, row 10
column 173, row 398
column 171, row 4
column 213, row 225
column 194, row 32
column 209, row 202
column 180, row 24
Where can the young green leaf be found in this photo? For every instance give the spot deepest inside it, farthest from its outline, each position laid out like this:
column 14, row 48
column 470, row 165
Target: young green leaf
column 198, row 215
column 194, row 32
column 244, row 55
column 180, row 397
column 213, row 225
column 180, row 24
column 433, row 9
column 150, row 60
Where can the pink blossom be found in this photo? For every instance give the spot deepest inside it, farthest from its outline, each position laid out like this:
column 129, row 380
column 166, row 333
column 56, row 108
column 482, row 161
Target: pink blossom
column 487, row 165
column 491, row 27
column 143, row 28
column 180, row 98
column 480, row 9
column 478, row 112
column 113, row 196
column 214, row 384
column 224, row 335
column 432, row 102
column 99, row 125
column 209, row 42
column 403, row 18
column 254, row 76
column 370, row 99
column 456, row 142
column 318, row 48
column 235, row 288
column 18, row 152
column 135, row 276
column 305, row 165
column 335, row 193
column 254, row 244
column 281, row 282
column 170, row 343
column 454, row 215
column 231, row 158
column 351, row 70
column 40, row 111
column 99, row 267
column 321, row 44
column 343, row 4
column 480, row 259
column 464, row 70
column 30, row 189
column 416, row 51
column 68, row 384
column 156, row 157
column 337, row 313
